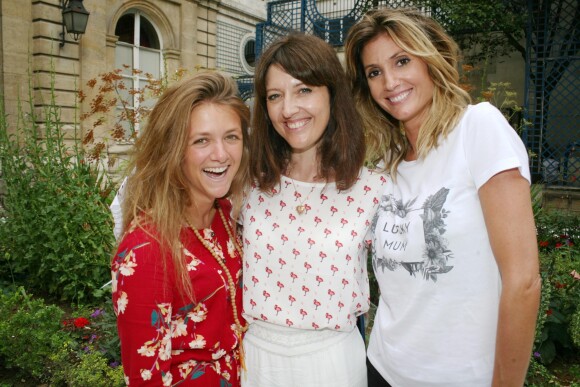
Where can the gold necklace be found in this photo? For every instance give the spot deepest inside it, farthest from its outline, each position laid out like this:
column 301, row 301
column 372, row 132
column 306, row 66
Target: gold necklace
column 240, row 329
column 300, row 208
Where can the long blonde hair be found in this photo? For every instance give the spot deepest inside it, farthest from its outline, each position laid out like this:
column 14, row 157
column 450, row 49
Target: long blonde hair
column 156, row 192
column 423, row 37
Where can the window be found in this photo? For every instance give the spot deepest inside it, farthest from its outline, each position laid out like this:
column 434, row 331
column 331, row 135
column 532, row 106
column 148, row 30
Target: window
column 248, row 52
column 138, row 54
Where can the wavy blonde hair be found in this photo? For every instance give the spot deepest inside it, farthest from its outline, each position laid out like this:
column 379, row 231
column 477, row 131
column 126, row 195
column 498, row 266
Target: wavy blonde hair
column 423, row 37
column 157, row 193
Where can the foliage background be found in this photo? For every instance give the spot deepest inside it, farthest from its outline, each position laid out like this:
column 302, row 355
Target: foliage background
column 56, row 236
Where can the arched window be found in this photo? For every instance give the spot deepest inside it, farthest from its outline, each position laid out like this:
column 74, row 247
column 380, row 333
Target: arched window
column 138, row 55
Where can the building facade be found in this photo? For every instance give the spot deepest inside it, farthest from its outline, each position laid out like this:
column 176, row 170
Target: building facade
column 155, row 37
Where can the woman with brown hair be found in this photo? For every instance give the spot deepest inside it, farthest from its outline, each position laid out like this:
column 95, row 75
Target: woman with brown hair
column 177, row 270
column 305, row 222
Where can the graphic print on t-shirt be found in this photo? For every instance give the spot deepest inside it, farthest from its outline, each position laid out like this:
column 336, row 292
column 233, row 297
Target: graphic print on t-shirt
column 435, row 254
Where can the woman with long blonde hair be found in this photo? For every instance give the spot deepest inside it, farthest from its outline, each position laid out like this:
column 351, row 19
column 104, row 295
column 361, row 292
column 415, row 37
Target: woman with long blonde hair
column 454, row 246
column 177, row 270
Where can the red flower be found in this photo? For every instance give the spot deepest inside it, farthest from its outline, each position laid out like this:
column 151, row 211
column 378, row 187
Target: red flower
column 544, row 243
column 549, row 312
column 81, row 322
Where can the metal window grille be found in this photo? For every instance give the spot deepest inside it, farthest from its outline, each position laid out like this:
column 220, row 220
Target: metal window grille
column 552, row 92
column 229, row 48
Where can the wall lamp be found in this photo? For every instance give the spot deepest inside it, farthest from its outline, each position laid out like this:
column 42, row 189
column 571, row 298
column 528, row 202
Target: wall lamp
column 74, row 18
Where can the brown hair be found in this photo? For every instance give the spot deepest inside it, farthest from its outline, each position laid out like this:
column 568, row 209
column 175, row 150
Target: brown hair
column 157, row 184
column 423, row 37
column 341, row 149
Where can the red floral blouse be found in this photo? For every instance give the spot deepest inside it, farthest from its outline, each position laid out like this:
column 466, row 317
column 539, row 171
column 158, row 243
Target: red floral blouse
column 164, row 340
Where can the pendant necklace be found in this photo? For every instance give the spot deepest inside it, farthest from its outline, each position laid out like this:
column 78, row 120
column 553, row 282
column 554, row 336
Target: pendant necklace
column 300, row 208
column 240, row 329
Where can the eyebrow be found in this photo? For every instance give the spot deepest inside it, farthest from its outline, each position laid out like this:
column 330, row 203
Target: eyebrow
column 210, row 133
column 299, row 84
column 396, row 54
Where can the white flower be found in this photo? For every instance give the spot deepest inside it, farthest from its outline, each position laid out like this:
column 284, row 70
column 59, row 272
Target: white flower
column 218, row 354
column 231, row 248
column 185, row 368
column 146, row 374
column 178, row 328
column 207, row 234
column 198, row 342
column 122, row 302
column 199, row 313
column 167, row 378
column 165, row 348
column 146, row 350
column 114, row 281
column 192, row 265
column 217, row 367
column 127, row 267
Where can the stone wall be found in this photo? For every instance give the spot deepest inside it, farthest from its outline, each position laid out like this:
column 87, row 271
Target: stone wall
column 562, row 199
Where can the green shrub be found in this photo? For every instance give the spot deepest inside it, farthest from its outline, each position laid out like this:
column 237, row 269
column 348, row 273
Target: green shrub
column 56, row 237
column 539, row 376
column 87, row 368
column 72, row 351
column 29, row 333
column 560, row 263
column 575, row 328
column 93, row 370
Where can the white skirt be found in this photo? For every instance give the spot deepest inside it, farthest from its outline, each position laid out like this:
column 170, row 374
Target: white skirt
column 278, row 356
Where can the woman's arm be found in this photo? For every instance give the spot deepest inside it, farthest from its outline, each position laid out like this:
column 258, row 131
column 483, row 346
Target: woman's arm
column 506, row 204
column 144, row 307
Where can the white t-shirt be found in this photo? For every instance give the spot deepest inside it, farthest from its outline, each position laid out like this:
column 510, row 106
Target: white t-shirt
column 308, row 271
column 439, row 281
column 117, row 210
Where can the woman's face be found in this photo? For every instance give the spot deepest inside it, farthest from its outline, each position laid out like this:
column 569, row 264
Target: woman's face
column 398, row 81
column 214, row 151
column 298, row 112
